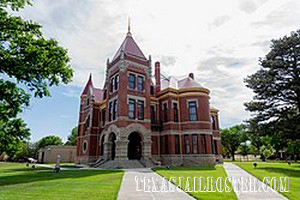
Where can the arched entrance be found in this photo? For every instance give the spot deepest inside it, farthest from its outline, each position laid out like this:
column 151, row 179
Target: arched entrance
column 112, row 139
column 134, row 146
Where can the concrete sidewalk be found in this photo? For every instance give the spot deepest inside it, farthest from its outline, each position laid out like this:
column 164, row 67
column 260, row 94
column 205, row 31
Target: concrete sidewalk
column 129, row 187
column 236, row 172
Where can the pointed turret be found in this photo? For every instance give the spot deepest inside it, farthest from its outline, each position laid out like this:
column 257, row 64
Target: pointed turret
column 129, row 47
column 88, row 85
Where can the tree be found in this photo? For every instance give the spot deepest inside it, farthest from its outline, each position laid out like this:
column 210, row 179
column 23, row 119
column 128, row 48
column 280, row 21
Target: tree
column 49, row 140
column 294, row 148
column 72, row 138
column 276, row 85
column 12, row 133
column 29, row 59
column 244, row 149
column 28, row 150
column 232, row 138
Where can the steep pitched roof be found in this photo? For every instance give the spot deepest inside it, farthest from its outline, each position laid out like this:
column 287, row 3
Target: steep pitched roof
column 88, row 85
column 130, row 48
column 98, row 95
column 96, row 92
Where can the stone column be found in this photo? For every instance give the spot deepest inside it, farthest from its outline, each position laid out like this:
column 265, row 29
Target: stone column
column 121, row 149
column 107, row 150
column 146, row 146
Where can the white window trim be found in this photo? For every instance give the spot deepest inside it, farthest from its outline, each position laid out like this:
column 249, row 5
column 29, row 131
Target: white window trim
column 174, row 101
column 136, row 98
column 114, row 77
column 190, row 100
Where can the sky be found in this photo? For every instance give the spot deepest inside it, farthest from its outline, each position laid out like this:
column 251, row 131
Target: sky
column 219, row 41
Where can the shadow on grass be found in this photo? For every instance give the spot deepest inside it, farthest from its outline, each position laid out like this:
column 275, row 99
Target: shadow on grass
column 198, row 168
column 286, row 171
column 32, row 176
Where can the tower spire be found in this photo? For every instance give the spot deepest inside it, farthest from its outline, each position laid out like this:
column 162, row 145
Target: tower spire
column 128, row 32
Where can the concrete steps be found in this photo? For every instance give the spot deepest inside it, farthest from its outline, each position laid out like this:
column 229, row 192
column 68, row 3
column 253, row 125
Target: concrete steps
column 121, row 164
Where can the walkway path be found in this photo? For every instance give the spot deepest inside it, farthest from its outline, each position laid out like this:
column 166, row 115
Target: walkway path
column 129, row 188
column 236, row 172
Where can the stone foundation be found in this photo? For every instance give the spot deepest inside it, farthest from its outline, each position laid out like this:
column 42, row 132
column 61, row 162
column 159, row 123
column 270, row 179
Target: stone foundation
column 188, row 160
column 85, row 159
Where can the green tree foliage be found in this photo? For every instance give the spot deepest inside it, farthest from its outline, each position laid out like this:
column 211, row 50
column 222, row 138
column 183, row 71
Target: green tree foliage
column 294, row 149
column 28, row 59
column 72, row 138
column 12, row 133
column 232, row 138
column 276, row 85
column 244, row 149
column 28, row 150
column 49, row 140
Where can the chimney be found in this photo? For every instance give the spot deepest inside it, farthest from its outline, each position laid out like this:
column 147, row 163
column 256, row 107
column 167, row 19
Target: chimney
column 157, row 76
column 191, row 75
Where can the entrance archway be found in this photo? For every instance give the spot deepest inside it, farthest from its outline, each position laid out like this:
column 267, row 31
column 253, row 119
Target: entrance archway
column 134, row 146
column 112, row 139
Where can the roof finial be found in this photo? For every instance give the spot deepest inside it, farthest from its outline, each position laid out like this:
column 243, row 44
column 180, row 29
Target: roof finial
column 128, row 33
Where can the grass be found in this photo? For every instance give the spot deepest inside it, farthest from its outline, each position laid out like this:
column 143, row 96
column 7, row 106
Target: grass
column 278, row 170
column 205, row 171
column 65, row 165
column 20, row 182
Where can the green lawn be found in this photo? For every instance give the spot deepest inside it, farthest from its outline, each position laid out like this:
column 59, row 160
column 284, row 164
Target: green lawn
column 265, row 169
column 212, row 171
column 20, row 182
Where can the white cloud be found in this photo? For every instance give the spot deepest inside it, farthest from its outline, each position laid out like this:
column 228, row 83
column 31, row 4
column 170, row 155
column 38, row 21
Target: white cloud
column 220, row 41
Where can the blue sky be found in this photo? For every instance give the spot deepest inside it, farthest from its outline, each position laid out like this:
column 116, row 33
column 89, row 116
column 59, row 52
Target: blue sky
column 219, row 41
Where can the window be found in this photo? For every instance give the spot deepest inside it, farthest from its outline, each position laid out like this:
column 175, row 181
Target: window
column 131, row 81
column 165, row 110
column 84, row 146
column 195, row 144
column 131, row 109
column 151, row 90
column 175, row 110
column 104, row 95
column 203, row 144
column 153, row 118
column 212, row 145
column 140, row 83
column 103, row 117
column 88, row 101
column 213, row 123
column 117, row 80
column 193, row 110
column 177, row 144
column 141, row 110
column 115, row 111
column 112, row 82
column 164, row 144
column 87, row 123
column 216, row 147
column 110, row 111
column 187, row 144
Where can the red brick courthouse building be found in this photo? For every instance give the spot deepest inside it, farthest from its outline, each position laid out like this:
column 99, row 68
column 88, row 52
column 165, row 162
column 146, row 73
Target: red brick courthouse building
column 159, row 120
